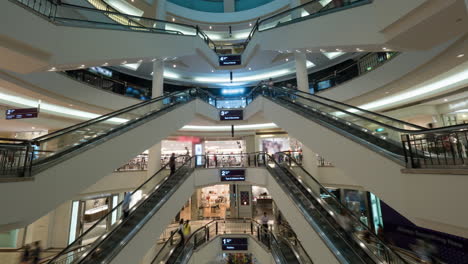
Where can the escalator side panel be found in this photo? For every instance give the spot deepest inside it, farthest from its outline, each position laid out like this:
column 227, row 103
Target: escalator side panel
column 63, row 180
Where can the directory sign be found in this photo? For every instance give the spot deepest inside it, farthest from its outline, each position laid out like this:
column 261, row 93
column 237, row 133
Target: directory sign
column 234, row 243
column 232, row 174
column 229, row 60
column 21, row 113
column 230, row 115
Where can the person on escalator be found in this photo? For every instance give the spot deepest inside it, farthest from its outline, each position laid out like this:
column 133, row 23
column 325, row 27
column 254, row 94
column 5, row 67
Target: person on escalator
column 172, row 163
column 180, row 231
column 187, row 229
column 126, row 204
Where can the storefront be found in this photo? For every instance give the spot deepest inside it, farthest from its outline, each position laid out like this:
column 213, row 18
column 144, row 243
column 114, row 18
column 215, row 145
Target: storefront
column 214, row 202
column 177, row 147
column 272, row 144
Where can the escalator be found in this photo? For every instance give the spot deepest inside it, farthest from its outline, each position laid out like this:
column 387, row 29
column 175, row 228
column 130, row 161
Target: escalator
column 141, row 219
column 347, row 237
column 173, row 251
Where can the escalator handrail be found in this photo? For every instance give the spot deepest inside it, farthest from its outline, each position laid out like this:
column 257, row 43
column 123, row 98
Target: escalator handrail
column 343, row 207
column 117, row 207
column 115, row 12
column 359, row 109
column 405, row 131
column 103, row 117
column 297, row 239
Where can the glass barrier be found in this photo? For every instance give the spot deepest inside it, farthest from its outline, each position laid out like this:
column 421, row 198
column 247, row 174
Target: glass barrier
column 126, row 210
column 344, row 224
column 309, row 10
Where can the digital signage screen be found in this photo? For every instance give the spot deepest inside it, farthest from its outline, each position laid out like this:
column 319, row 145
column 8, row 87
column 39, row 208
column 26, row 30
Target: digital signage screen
column 232, row 174
column 229, row 60
column 230, row 115
column 234, row 243
column 21, row 113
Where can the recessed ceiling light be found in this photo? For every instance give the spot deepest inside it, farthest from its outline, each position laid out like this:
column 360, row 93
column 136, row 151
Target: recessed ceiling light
column 445, row 100
column 287, row 59
column 250, row 24
column 105, row 64
column 33, row 127
column 82, row 66
column 52, row 69
column 70, row 105
column 358, row 49
column 250, row 69
column 385, row 48
column 339, row 50
column 152, row 73
column 309, row 51
column 211, row 27
column 298, row 51
column 212, row 70
column 322, row 50
column 174, row 66
column 460, row 55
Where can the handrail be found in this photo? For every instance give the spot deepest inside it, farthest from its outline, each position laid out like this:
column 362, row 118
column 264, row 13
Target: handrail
column 359, row 109
column 427, row 130
column 342, row 207
column 116, row 207
column 103, row 117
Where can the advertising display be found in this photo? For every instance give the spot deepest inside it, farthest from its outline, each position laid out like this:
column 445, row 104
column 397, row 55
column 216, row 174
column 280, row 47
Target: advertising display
column 21, row 113
column 234, row 243
column 232, row 175
column 229, row 60
column 229, row 115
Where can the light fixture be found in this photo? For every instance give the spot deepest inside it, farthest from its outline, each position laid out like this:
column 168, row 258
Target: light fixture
column 33, row 127
column 385, row 48
column 174, row 66
column 358, row 49
column 339, row 50
column 153, row 60
column 250, row 24
column 173, row 19
column 105, row 64
column 280, row 51
column 309, row 51
column 70, row 105
column 124, row 62
column 152, row 73
column 212, row 70
column 287, row 59
column 140, row 61
column 460, row 55
column 211, row 27
column 298, row 51
column 52, row 69
column 322, row 50
column 445, row 100
column 250, row 69
column 82, row 66
column 288, row 51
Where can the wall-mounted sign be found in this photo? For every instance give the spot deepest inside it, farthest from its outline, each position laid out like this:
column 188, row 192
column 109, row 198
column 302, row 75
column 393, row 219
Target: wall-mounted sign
column 232, row 174
column 21, row 113
column 229, row 60
column 229, row 115
column 234, row 243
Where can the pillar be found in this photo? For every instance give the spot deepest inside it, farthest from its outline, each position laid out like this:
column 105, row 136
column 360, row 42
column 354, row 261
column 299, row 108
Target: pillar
column 301, row 72
column 194, row 205
column 229, row 6
column 154, row 155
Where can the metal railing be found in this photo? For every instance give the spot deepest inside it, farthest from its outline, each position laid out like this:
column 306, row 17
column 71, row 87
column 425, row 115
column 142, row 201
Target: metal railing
column 16, row 157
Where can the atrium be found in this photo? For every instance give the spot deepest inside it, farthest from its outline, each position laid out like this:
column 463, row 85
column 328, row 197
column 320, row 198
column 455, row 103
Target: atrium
column 233, row 131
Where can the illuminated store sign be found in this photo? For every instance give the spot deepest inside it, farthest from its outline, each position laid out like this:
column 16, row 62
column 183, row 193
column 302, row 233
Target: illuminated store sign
column 229, row 60
column 234, row 243
column 232, row 175
column 22, row 113
column 229, row 115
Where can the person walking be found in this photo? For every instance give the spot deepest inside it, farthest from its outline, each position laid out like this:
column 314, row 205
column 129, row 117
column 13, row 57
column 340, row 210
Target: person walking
column 180, row 231
column 126, row 204
column 187, row 229
column 26, row 255
column 36, row 253
column 172, row 163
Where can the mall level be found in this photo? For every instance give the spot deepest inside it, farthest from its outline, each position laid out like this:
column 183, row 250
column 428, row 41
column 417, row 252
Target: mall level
column 233, row 131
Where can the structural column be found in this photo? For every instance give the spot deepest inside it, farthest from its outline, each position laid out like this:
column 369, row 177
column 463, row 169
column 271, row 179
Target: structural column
column 301, row 72
column 154, row 155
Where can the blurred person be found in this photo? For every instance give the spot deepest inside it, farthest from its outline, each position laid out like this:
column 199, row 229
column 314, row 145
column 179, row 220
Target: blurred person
column 126, row 204
column 180, row 231
column 36, row 253
column 172, row 163
column 26, row 255
column 270, row 83
column 187, row 229
column 264, row 221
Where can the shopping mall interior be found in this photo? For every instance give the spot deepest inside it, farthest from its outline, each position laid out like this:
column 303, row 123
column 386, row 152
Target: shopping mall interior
column 233, row 131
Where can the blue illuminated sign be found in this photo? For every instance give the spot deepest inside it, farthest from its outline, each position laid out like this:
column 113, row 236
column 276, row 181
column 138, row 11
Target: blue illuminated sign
column 230, row 115
column 234, row 243
column 233, row 91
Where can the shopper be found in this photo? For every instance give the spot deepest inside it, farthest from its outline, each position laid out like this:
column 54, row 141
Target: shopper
column 187, row 229
column 265, row 221
column 126, row 204
column 36, row 253
column 172, row 163
column 180, row 231
column 26, row 255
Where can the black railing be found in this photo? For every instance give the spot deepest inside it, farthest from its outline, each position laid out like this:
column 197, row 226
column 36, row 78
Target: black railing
column 16, row 157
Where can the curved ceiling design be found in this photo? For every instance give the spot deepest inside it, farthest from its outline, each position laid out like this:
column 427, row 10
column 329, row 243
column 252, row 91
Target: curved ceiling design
column 217, row 6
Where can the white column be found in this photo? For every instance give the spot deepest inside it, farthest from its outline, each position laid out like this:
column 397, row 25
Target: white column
column 154, row 155
column 301, row 72
column 229, row 6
